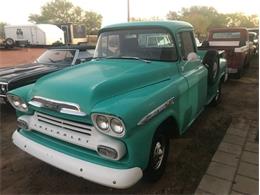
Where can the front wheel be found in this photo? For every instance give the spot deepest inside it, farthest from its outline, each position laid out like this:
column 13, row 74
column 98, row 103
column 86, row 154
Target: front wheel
column 158, row 157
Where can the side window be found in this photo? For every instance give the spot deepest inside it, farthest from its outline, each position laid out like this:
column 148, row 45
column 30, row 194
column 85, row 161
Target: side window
column 185, row 43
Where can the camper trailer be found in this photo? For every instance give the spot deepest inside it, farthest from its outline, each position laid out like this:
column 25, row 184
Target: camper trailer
column 34, row 34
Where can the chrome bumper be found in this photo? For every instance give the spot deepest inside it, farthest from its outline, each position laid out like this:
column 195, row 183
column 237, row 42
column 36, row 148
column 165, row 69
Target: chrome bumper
column 111, row 177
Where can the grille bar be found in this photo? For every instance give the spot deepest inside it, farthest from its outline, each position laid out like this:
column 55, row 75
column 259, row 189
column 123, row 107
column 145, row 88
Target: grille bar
column 65, row 124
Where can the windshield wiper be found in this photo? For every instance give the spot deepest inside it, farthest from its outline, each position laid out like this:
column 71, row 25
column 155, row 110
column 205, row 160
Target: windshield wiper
column 108, row 57
column 123, row 57
column 135, row 58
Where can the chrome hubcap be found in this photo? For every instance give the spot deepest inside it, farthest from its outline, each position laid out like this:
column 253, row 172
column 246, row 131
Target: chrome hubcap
column 158, row 155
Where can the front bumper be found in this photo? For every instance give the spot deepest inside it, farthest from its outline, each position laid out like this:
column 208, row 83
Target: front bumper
column 111, row 177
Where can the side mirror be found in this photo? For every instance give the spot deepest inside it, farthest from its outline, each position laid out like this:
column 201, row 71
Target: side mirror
column 192, row 56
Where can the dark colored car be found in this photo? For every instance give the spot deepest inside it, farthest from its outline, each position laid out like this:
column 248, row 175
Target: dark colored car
column 51, row 60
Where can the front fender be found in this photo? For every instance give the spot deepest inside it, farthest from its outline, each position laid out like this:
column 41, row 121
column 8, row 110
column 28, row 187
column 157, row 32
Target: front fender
column 140, row 142
column 133, row 106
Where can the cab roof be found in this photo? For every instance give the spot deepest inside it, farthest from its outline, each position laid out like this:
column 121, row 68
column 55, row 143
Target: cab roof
column 172, row 25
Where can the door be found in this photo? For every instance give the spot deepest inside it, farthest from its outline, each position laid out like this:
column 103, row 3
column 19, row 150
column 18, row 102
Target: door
column 193, row 71
column 66, row 30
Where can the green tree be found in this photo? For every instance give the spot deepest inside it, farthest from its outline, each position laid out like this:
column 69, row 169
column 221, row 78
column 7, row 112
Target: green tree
column 63, row 11
column 239, row 19
column 203, row 18
column 172, row 15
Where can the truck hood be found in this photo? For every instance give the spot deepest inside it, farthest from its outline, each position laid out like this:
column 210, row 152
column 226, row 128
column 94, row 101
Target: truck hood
column 95, row 81
column 15, row 73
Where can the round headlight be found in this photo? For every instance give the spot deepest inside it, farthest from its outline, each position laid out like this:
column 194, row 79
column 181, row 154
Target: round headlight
column 117, row 126
column 102, row 122
column 17, row 103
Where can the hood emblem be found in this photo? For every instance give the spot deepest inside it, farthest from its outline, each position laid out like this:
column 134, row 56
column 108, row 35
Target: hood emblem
column 58, row 106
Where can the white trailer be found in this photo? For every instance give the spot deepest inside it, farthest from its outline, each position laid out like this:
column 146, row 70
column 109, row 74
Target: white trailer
column 34, row 34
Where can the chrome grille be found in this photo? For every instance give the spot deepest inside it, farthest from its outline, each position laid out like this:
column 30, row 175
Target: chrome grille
column 64, row 124
column 68, row 131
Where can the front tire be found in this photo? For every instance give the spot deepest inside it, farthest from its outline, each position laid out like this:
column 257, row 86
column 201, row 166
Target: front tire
column 158, row 156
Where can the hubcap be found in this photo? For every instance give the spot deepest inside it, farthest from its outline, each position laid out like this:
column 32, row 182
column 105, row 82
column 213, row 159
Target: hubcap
column 158, row 155
column 9, row 41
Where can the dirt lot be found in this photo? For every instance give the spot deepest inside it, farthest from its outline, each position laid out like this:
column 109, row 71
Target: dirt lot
column 19, row 55
column 189, row 158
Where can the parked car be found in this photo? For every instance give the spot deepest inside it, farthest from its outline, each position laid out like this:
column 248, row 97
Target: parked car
column 110, row 122
column 51, row 60
column 235, row 42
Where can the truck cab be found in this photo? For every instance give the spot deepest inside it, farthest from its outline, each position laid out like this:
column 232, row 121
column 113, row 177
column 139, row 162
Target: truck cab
column 110, row 120
column 235, row 43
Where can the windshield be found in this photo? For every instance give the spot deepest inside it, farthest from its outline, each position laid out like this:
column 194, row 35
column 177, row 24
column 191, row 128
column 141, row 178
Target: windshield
column 148, row 44
column 61, row 57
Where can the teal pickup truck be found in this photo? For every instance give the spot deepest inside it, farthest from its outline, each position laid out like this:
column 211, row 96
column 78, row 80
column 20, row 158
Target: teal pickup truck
column 110, row 120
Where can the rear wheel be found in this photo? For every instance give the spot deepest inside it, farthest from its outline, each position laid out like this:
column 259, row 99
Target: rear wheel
column 9, row 43
column 158, row 156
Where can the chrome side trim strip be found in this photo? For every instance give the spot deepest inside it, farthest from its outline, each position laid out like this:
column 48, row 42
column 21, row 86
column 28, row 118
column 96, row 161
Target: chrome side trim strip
column 156, row 111
column 59, row 106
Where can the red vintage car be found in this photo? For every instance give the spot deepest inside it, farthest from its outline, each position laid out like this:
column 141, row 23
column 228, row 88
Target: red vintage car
column 235, row 42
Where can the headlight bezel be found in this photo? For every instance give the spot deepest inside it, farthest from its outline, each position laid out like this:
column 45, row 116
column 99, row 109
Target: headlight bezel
column 109, row 131
column 3, row 88
column 17, row 102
